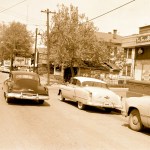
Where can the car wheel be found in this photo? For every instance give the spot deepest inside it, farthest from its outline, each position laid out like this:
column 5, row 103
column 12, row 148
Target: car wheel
column 60, row 97
column 41, row 101
column 81, row 105
column 8, row 100
column 108, row 110
column 135, row 120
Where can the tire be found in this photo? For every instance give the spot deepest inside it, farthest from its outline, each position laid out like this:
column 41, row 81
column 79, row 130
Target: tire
column 8, row 100
column 135, row 120
column 81, row 106
column 60, row 97
column 41, row 101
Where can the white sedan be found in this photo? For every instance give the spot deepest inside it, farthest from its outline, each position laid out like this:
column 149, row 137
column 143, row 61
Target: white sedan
column 138, row 110
column 90, row 91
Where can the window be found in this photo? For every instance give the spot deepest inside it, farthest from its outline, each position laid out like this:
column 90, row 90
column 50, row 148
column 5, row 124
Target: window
column 129, row 53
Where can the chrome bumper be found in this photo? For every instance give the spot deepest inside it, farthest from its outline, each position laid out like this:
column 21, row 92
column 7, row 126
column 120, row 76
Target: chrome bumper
column 27, row 96
column 109, row 105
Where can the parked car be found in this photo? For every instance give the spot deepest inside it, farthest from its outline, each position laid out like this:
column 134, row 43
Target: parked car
column 5, row 69
column 90, row 91
column 138, row 110
column 24, row 85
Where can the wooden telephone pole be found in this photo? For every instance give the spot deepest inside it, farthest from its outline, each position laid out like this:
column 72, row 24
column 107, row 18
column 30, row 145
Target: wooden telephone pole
column 35, row 51
column 48, row 46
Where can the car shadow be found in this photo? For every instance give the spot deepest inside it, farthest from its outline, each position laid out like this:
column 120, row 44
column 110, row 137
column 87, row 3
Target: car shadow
column 92, row 109
column 144, row 131
column 27, row 102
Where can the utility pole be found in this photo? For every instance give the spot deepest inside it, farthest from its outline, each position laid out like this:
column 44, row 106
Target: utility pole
column 35, row 50
column 12, row 55
column 48, row 46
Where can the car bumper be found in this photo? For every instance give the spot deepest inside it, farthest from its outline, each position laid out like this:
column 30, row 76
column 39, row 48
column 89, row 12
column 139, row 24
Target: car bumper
column 105, row 105
column 27, row 96
column 124, row 113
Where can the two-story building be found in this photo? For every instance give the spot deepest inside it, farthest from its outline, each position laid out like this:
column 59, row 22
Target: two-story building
column 137, row 49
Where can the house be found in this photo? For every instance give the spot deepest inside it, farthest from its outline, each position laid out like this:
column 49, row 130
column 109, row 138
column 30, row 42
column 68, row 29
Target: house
column 86, row 68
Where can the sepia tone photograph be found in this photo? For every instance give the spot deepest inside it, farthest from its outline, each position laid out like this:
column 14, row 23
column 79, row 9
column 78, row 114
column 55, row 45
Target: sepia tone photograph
column 74, row 75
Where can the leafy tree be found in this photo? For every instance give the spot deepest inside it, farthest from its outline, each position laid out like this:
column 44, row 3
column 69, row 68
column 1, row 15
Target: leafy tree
column 73, row 38
column 16, row 40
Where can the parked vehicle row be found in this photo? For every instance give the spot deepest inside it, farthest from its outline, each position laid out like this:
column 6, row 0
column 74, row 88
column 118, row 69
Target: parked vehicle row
column 82, row 90
column 88, row 91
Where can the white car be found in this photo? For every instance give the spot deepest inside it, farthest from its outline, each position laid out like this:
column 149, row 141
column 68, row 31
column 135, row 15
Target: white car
column 138, row 110
column 90, row 91
column 5, row 69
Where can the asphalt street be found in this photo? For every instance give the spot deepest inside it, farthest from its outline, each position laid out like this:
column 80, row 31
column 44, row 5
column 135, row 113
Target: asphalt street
column 55, row 125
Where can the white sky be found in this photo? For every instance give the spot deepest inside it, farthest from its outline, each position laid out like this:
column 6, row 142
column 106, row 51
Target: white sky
column 126, row 20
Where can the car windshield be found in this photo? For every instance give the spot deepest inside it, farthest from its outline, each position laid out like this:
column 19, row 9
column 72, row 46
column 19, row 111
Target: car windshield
column 94, row 84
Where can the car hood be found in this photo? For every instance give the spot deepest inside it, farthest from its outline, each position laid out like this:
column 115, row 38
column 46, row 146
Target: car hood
column 138, row 100
column 98, row 92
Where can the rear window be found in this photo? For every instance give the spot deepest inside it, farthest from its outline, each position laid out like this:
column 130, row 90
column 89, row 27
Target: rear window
column 26, row 76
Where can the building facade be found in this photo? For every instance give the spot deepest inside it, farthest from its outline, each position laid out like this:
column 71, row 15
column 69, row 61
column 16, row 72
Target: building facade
column 137, row 50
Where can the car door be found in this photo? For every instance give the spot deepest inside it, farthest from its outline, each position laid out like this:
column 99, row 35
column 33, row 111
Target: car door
column 80, row 93
column 149, row 113
column 69, row 90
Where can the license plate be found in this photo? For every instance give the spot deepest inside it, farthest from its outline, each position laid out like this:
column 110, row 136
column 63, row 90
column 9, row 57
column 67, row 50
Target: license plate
column 107, row 104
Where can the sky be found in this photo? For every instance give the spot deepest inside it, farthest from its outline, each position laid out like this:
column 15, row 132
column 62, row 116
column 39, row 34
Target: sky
column 126, row 20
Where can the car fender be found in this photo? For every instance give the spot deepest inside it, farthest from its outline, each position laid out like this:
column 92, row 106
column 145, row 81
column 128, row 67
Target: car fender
column 135, row 103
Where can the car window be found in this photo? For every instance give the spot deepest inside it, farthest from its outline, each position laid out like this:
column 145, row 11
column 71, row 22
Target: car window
column 78, row 83
column 75, row 82
column 94, row 84
column 25, row 76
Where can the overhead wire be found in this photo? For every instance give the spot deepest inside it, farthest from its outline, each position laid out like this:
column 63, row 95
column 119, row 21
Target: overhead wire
column 23, row 17
column 110, row 11
column 12, row 6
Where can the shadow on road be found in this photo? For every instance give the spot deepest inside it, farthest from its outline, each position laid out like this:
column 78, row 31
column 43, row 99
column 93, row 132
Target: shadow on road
column 92, row 109
column 145, row 130
column 27, row 103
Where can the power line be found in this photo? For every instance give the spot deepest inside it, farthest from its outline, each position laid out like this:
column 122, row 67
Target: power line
column 12, row 6
column 111, row 11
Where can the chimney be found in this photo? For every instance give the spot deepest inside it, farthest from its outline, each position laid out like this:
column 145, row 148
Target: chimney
column 114, row 34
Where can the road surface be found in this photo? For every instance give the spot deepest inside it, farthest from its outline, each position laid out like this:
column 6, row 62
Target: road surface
column 59, row 125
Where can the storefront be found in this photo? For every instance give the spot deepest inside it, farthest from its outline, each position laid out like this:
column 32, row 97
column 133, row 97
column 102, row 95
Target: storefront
column 137, row 48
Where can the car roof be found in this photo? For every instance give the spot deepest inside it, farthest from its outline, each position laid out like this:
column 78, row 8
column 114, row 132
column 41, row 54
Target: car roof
column 82, row 79
column 23, row 72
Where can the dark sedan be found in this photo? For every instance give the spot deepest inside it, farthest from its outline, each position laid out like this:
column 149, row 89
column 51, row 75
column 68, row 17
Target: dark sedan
column 24, row 85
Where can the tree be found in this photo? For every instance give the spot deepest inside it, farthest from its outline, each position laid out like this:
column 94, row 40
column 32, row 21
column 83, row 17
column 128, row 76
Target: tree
column 73, row 39
column 16, row 40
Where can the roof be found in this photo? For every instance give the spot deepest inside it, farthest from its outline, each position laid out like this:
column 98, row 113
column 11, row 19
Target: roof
column 101, row 66
column 109, row 37
column 82, row 79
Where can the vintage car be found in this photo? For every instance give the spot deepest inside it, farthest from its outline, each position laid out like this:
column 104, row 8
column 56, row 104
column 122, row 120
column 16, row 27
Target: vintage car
column 5, row 69
column 24, row 85
column 138, row 110
column 90, row 91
